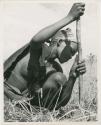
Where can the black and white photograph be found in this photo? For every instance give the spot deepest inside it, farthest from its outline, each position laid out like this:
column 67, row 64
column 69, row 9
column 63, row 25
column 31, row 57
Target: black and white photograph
column 50, row 54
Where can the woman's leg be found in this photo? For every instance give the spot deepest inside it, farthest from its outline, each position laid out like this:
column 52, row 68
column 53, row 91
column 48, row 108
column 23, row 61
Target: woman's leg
column 56, row 92
column 52, row 90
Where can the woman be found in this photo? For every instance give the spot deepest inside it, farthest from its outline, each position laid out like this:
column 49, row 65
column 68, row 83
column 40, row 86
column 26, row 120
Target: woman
column 33, row 67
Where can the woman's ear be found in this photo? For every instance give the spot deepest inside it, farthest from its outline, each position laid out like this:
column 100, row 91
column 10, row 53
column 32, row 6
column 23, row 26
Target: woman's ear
column 59, row 42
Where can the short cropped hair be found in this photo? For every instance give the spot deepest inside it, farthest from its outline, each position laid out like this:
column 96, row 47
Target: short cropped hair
column 61, row 35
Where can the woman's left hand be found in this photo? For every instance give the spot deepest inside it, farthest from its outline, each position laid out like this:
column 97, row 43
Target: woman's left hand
column 78, row 68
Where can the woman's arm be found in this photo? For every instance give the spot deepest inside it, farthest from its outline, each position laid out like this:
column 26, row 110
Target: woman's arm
column 76, row 11
column 76, row 70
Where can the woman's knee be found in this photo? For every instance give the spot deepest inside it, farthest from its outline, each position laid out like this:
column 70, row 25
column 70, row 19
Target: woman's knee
column 52, row 88
column 59, row 78
column 55, row 80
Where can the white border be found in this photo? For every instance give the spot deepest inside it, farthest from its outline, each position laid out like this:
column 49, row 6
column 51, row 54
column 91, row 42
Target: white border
column 98, row 64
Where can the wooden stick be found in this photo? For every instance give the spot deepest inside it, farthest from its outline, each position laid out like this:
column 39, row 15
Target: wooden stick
column 78, row 36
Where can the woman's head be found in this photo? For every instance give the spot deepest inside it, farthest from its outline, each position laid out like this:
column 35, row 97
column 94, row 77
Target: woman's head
column 63, row 45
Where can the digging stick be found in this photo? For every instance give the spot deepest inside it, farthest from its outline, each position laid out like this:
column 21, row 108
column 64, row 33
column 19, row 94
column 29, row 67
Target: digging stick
column 78, row 36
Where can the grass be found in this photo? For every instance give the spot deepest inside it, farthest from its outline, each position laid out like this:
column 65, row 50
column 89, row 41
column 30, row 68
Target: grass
column 23, row 111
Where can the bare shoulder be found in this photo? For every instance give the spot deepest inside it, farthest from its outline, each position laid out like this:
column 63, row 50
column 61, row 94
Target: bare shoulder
column 22, row 65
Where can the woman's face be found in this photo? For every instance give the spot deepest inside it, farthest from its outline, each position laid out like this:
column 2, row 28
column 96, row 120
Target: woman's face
column 63, row 47
column 63, row 52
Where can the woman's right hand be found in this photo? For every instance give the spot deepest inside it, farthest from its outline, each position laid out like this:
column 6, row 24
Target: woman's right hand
column 76, row 11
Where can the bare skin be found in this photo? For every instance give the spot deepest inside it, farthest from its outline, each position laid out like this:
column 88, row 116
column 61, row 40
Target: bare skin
column 19, row 76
